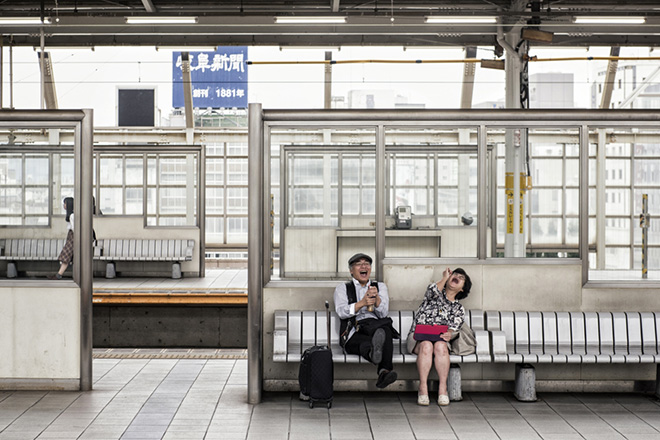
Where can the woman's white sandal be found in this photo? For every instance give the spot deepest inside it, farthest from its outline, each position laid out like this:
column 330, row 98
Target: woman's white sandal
column 443, row 400
column 423, row 399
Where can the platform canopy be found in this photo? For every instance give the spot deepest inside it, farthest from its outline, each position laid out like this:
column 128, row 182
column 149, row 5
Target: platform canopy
column 327, row 22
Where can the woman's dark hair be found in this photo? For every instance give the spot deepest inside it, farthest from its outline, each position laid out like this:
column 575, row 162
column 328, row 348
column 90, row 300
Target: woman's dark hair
column 466, row 286
column 68, row 205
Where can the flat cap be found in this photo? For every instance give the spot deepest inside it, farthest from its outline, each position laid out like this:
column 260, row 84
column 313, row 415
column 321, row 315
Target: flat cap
column 357, row 257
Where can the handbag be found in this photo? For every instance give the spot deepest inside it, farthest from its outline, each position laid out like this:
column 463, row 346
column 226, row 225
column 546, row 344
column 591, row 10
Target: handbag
column 464, row 343
column 426, row 332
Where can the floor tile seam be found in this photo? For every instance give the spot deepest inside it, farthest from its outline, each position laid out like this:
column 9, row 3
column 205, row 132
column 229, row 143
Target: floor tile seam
column 633, row 414
column 13, row 407
column 568, row 422
column 494, row 430
column 126, row 383
column 25, row 411
column 120, row 369
column 192, row 382
column 249, row 424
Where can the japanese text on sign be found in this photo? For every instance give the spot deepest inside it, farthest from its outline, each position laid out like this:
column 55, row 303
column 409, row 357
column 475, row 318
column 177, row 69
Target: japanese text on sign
column 219, row 79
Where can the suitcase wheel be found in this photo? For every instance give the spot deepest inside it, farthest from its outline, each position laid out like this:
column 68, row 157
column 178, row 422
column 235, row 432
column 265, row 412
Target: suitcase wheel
column 311, row 404
column 329, row 405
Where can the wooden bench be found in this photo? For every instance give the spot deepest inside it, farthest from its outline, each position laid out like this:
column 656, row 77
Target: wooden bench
column 29, row 249
column 112, row 250
column 527, row 338
column 295, row 331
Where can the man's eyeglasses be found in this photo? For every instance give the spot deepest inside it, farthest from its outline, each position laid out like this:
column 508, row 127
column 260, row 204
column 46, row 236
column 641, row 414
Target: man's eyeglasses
column 362, row 264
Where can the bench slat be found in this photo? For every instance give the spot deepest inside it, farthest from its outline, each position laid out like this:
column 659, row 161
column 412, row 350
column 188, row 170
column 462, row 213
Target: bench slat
column 649, row 341
column 295, row 333
column 622, row 353
column 578, row 338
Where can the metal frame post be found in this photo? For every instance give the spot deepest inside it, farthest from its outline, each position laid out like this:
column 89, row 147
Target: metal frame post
column 584, row 202
column 256, row 220
column 644, row 221
column 483, row 215
column 84, row 166
column 380, row 200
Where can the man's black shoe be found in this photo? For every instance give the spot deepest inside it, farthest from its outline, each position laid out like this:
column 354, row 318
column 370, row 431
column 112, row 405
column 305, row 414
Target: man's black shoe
column 386, row 378
column 377, row 342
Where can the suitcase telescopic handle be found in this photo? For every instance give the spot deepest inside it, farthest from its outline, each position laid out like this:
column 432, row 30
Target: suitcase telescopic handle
column 327, row 320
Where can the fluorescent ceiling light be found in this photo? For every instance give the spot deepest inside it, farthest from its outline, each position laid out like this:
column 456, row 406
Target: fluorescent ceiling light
column 187, row 48
column 310, row 47
column 610, row 20
column 443, row 19
column 310, row 20
column 160, row 20
column 22, row 20
column 49, row 48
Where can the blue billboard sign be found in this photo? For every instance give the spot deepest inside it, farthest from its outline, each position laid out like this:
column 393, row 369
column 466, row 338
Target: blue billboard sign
column 219, row 79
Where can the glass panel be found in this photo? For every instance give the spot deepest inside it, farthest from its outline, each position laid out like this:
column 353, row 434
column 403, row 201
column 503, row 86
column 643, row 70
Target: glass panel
column 112, row 201
column 551, row 207
column 36, row 201
column 237, row 149
column 631, row 170
column 215, row 171
column 644, row 149
column 172, row 201
column 36, row 170
column 172, row 171
column 329, row 199
column 617, row 201
column 134, row 171
column 546, row 201
column 237, row 229
column 12, row 200
column 572, row 231
column 546, row 230
column 12, row 170
column 237, row 171
column 215, row 201
column 434, row 171
column 66, row 171
column 215, row 230
column 134, row 201
column 237, row 202
column 647, row 172
column 617, row 231
column 112, row 171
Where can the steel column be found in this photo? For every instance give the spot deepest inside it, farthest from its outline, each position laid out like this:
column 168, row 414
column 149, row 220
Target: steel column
column 380, row 200
column 256, row 222
column 82, row 256
column 482, row 201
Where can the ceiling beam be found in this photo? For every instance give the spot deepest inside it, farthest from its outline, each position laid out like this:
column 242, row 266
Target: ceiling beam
column 261, row 30
column 149, row 6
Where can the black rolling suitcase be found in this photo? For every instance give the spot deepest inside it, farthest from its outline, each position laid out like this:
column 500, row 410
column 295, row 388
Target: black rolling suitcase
column 316, row 372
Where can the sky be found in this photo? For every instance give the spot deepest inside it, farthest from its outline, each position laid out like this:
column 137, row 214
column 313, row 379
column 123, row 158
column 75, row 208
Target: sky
column 90, row 79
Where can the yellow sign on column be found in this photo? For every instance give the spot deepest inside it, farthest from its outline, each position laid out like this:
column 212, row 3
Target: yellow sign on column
column 522, row 211
column 509, row 211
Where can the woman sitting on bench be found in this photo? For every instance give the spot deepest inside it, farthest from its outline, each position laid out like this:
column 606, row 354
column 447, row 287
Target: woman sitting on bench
column 439, row 308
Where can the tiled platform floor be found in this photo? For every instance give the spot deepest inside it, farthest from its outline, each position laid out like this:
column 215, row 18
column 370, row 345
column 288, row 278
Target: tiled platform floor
column 206, row 399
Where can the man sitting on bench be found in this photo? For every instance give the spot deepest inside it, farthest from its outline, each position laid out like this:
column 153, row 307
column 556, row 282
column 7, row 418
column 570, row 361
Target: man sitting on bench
column 365, row 329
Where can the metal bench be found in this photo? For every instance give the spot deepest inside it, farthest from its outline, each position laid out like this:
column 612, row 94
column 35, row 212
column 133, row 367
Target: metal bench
column 295, row 331
column 29, row 249
column 112, row 250
column 527, row 338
